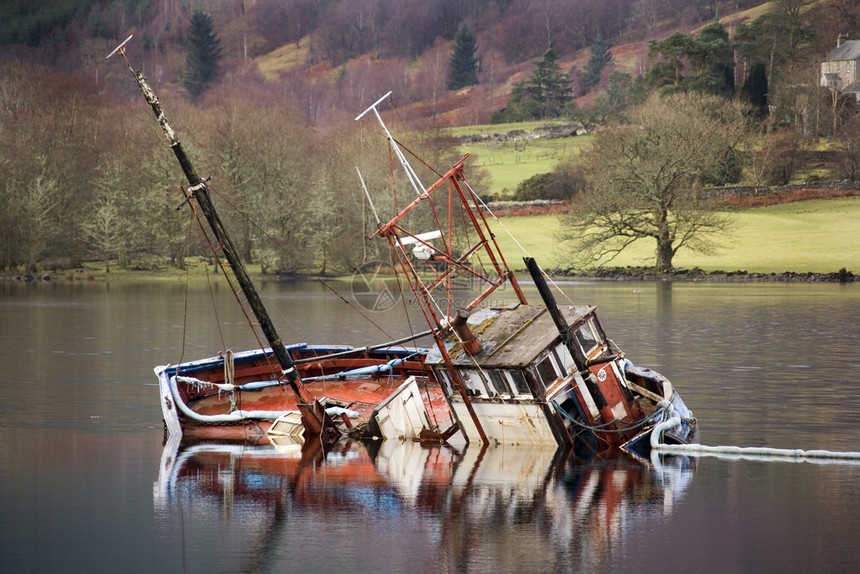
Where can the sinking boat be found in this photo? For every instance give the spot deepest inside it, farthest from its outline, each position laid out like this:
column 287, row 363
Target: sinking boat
column 506, row 372
column 241, row 396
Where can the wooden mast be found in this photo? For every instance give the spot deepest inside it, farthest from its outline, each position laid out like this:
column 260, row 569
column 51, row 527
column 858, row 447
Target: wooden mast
column 314, row 417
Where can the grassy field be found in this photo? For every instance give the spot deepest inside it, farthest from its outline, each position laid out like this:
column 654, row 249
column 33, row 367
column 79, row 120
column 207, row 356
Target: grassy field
column 509, row 163
column 820, row 236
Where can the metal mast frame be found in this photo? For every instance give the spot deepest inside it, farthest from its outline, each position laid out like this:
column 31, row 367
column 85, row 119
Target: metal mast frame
column 399, row 237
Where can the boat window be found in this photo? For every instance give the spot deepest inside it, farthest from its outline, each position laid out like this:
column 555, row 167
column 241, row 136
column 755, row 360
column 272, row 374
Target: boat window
column 474, row 382
column 499, row 383
column 547, row 371
column 517, row 382
column 586, row 337
column 586, row 396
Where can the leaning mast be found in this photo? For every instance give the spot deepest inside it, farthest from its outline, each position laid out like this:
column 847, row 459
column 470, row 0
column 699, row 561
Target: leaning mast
column 314, row 418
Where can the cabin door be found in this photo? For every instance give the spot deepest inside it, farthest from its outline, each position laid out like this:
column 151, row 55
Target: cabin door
column 611, row 388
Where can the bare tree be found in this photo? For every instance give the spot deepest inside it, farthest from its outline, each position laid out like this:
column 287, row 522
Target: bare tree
column 848, row 147
column 644, row 178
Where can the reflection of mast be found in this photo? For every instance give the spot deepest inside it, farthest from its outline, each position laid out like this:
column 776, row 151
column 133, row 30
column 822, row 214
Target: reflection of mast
column 270, row 541
column 313, row 415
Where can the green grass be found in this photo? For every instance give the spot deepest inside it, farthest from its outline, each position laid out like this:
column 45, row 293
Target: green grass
column 509, row 163
column 820, row 236
column 197, row 272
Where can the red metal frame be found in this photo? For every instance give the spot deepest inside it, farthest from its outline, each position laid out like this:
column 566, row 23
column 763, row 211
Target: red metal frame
column 494, row 278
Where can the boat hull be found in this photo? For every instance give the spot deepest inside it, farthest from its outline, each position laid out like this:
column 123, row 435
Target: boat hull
column 685, row 433
column 238, row 398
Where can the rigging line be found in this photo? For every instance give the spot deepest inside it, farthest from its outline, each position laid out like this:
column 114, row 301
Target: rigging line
column 206, row 271
column 300, row 263
column 478, row 253
column 396, row 109
column 187, row 278
column 278, row 245
column 406, row 130
column 214, row 307
column 402, row 299
column 515, row 240
column 268, row 357
column 393, row 177
column 365, row 317
column 417, row 157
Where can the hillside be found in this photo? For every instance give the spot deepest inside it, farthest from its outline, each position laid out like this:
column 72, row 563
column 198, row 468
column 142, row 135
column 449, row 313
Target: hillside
column 335, row 55
column 271, row 119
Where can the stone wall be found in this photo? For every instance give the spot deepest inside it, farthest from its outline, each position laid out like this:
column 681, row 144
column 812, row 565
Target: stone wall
column 753, row 191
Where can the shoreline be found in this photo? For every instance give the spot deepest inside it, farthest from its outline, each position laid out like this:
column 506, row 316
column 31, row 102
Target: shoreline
column 696, row 274
column 604, row 274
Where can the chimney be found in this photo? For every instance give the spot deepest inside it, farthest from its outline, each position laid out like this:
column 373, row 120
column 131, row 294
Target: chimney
column 840, row 39
column 470, row 341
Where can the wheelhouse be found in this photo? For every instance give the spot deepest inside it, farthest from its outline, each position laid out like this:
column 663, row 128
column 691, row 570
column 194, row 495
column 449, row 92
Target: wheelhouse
column 523, row 382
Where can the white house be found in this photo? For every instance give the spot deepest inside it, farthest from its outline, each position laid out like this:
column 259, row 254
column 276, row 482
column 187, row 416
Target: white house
column 840, row 70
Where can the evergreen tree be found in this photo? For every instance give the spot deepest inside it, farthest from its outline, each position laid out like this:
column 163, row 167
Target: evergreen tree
column 600, row 58
column 755, row 89
column 548, row 85
column 464, row 61
column 202, row 54
column 709, row 56
column 713, row 61
column 674, row 48
column 546, row 94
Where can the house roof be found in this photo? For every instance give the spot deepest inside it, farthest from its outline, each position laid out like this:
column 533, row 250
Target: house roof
column 849, row 50
column 853, row 87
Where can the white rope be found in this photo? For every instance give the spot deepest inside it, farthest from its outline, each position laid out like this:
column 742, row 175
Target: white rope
column 752, row 453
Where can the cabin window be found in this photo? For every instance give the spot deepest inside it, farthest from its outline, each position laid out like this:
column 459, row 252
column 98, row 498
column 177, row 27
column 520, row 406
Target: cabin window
column 517, row 382
column 586, row 338
column 475, row 383
column 498, row 382
column 547, row 371
column 586, row 396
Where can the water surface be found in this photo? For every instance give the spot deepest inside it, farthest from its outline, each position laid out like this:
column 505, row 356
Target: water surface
column 86, row 484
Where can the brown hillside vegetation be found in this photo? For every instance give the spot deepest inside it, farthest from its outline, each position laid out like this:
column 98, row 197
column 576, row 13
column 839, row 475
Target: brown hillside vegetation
column 336, row 55
column 274, row 126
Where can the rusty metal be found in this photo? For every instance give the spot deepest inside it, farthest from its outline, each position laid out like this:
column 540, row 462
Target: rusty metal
column 470, row 342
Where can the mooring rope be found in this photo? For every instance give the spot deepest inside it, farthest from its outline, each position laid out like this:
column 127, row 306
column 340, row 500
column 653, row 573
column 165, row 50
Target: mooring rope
column 758, row 453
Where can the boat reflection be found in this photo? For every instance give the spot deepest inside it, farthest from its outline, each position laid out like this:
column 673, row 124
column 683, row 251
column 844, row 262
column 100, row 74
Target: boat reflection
column 471, row 506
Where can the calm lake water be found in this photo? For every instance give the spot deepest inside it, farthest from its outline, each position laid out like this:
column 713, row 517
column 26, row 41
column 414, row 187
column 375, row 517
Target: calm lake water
column 86, row 484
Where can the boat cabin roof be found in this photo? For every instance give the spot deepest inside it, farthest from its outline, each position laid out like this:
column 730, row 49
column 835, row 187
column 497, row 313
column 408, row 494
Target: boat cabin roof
column 510, row 338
